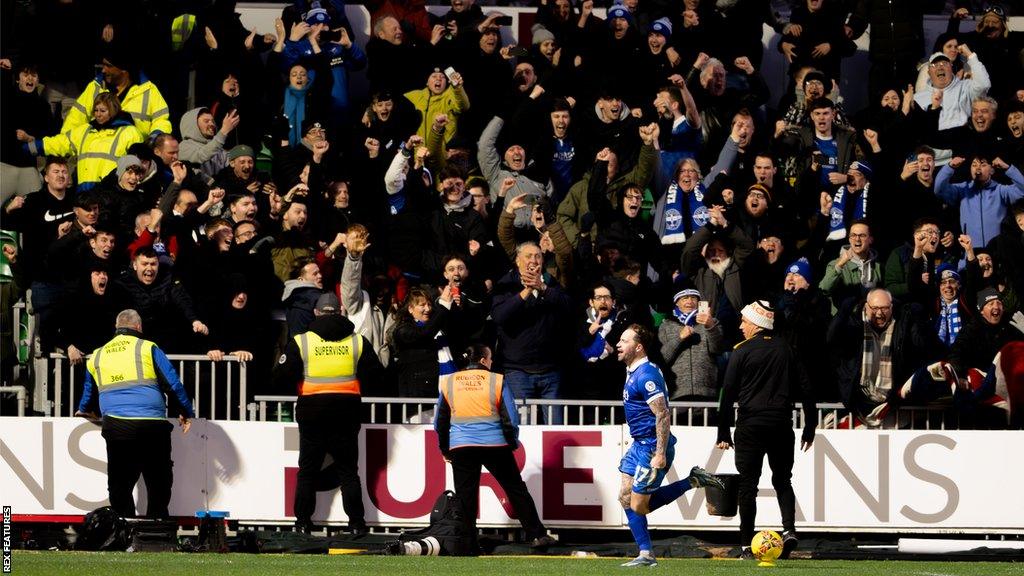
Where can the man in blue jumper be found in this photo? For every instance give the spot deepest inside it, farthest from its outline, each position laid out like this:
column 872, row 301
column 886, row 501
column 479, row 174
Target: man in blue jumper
column 649, row 458
column 983, row 201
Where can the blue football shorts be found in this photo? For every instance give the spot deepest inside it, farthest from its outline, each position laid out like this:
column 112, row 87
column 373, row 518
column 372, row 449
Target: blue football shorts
column 637, row 463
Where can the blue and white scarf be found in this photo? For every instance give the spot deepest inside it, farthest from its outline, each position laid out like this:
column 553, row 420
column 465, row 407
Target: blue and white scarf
column 683, row 214
column 838, row 215
column 685, row 318
column 949, row 322
column 445, row 362
column 596, row 350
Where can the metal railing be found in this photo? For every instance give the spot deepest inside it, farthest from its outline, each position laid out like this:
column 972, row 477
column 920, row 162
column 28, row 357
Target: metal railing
column 217, row 389
column 219, row 392
column 22, row 330
column 21, row 395
column 599, row 412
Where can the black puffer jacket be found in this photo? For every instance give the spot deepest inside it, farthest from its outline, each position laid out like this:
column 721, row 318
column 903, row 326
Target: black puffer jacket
column 414, row 353
column 977, row 344
column 765, row 378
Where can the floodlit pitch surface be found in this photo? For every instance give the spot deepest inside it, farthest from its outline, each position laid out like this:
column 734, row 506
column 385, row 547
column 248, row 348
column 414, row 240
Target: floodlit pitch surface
column 59, row 563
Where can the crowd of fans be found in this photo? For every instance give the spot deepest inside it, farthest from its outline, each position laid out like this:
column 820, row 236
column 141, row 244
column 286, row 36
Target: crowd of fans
column 538, row 198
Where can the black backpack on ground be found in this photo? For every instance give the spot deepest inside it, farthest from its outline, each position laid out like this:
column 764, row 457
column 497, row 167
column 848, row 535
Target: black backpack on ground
column 449, row 526
column 103, row 529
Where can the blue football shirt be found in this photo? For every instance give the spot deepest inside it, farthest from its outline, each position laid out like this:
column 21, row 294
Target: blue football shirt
column 830, row 152
column 643, row 385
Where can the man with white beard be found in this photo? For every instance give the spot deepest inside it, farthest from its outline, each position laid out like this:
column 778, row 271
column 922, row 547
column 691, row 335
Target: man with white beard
column 712, row 259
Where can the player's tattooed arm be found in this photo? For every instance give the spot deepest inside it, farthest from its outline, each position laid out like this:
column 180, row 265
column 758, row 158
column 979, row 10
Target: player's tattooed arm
column 662, row 424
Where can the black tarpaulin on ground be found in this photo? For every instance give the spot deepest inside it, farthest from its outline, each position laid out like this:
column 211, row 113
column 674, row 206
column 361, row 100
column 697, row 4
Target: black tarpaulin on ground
column 288, row 542
column 681, row 547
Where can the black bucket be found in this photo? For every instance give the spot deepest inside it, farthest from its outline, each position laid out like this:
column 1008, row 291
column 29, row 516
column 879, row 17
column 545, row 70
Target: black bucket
column 723, row 502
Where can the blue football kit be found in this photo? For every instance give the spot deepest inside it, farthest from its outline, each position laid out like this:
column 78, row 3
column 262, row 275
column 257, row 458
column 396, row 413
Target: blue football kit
column 644, row 385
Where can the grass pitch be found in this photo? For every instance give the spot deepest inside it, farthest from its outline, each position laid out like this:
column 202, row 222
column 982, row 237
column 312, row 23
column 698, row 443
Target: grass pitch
column 142, row 564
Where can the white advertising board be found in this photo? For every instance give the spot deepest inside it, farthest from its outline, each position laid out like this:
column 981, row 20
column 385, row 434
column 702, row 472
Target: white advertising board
column 915, row 481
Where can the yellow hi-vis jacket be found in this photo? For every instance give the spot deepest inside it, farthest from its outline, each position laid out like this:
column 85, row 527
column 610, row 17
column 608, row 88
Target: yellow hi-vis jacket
column 328, row 367
column 126, row 375
column 97, row 149
column 126, row 379
column 143, row 102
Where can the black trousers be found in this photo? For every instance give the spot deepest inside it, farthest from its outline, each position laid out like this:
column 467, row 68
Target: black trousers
column 753, row 443
column 322, row 433
column 466, row 467
column 134, row 448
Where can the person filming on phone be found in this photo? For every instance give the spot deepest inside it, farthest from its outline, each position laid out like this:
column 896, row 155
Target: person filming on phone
column 690, row 340
column 444, row 94
column 544, row 229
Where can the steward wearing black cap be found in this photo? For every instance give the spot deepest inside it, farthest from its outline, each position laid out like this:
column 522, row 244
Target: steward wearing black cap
column 142, row 100
column 329, row 366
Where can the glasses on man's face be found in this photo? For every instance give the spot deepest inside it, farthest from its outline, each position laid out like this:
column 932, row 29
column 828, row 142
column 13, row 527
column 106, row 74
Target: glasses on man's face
column 756, row 195
column 861, row 236
column 886, row 308
column 817, row 83
column 634, row 197
column 602, row 297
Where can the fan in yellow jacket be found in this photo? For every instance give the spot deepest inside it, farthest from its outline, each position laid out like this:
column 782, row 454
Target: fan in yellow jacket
column 98, row 144
column 440, row 97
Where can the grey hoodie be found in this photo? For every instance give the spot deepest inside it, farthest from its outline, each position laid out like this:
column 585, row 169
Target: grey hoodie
column 495, row 172
column 206, row 153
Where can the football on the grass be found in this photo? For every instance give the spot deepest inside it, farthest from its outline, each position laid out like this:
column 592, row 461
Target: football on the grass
column 766, row 545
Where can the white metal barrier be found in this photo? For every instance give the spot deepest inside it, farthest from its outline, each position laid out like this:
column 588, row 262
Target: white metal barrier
column 594, row 412
column 22, row 330
column 219, row 392
column 21, row 396
column 217, row 388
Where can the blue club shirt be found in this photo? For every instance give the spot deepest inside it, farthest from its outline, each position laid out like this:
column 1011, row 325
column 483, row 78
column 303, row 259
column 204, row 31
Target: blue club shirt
column 644, row 383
